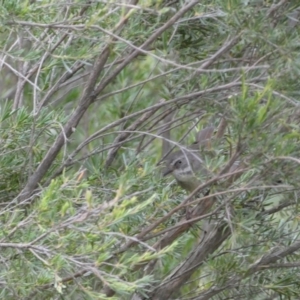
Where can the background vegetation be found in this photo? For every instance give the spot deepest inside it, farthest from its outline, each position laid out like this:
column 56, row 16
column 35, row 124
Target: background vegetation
column 93, row 93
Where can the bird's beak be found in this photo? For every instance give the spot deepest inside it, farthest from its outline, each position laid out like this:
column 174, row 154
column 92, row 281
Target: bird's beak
column 166, row 171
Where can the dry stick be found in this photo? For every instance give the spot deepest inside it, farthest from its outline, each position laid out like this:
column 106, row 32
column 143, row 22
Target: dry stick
column 70, row 278
column 201, row 208
column 181, row 205
column 138, row 93
column 86, row 270
column 146, row 44
column 140, row 134
column 152, row 128
column 275, row 7
column 156, row 119
column 70, row 161
column 168, row 215
column 143, row 51
column 97, row 134
column 141, row 82
column 166, row 147
column 89, row 96
column 262, row 264
column 188, row 97
column 193, row 219
column 35, row 68
column 198, row 255
column 196, row 258
column 86, row 100
column 132, row 56
column 124, row 135
column 211, row 243
column 228, row 46
column 205, row 206
column 22, row 69
column 73, row 123
column 67, row 75
column 225, row 48
column 181, row 139
column 171, row 236
column 204, row 66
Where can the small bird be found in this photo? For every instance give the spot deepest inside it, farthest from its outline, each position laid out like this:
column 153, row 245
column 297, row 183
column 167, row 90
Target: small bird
column 186, row 165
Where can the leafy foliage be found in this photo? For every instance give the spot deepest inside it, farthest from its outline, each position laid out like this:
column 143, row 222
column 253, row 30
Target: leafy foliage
column 94, row 94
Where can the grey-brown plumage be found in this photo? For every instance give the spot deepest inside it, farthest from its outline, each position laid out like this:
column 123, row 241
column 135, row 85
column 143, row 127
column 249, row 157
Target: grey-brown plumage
column 186, row 165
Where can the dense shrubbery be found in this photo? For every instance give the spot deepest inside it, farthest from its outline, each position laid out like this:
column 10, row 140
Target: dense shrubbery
column 92, row 94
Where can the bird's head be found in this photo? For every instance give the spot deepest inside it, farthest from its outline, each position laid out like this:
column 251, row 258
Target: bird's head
column 183, row 165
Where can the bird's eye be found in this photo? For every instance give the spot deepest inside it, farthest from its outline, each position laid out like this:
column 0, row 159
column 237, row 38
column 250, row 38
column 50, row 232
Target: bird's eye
column 178, row 163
